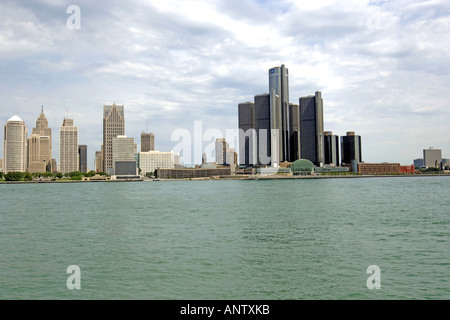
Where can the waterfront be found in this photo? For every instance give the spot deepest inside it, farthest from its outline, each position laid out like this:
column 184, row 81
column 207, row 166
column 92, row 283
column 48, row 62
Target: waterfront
column 290, row 239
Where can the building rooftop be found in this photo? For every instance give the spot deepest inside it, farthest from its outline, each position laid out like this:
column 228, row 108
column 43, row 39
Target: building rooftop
column 15, row 118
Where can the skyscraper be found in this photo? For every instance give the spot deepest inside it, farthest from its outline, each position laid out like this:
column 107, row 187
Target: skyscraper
column 221, row 147
column 147, row 142
column 247, row 134
column 311, row 128
column 40, row 146
column 82, row 156
column 267, row 144
column 113, row 126
column 331, row 146
column 351, row 148
column 98, row 161
column 15, row 145
column 432, row 158
column 294, row 131
column 68, row 149
column 279, row 107
column 123, row 155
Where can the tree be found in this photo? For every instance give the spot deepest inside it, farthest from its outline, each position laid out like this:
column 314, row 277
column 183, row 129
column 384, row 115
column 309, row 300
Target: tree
column 90, row 174
column 1, row 175
column 14, row 176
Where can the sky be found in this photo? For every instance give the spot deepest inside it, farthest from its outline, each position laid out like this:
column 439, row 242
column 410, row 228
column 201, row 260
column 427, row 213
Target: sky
column 383, row 67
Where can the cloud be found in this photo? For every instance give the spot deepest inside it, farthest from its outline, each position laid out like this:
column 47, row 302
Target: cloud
column 382, row 66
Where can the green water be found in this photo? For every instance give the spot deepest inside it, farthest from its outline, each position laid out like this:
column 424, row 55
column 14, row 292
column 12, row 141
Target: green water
column 290, row 239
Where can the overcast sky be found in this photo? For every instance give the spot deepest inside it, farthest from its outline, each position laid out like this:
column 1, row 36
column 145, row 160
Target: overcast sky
column 383, row 67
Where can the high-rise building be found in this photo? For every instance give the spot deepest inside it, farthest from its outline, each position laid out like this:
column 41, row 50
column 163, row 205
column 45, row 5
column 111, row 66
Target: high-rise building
column 311, row 128
column 331, row 146
column 418, row 163
column 98, row 161
column 294, row 131
column 247, row 134
column 267, row 145
column 82, row 156
column 15, row 145
column 1, row 165
column 123, row 153
column 432, row 158
column 68, row 147
column 279, row 107
column 351, row 148
column 221, row 151
column 113, row 126
column 147, row 142
column 45, row 133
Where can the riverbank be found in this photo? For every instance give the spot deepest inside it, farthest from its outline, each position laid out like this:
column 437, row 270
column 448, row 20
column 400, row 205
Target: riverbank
column 237, row 177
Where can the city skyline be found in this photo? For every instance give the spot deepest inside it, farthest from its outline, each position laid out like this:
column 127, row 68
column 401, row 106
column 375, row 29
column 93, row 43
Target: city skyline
column 381, row 67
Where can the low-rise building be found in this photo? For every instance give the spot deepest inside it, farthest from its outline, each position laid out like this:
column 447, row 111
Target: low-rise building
column 152, row 160
column 191, row 173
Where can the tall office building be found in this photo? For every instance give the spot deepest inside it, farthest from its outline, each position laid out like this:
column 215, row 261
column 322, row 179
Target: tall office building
column 311, row 128
column 432, row 158
column 418, row 163
column 331, row 146
column 40, row 146
column 221, row 147
column 99, row 161
column 351, row 148
column 113, row 126
column 82, row 156
column 124, row 162
column 15, row 145
column 268, row 140
column 294, row 131
column 68, row 147
column 279, row 107
column 147, row 142
column 247, row 134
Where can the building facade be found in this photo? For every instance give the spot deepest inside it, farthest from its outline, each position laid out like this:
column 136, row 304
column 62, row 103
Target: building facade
column 15, row 145
column 82, row 156
column 432, row 158
column 247, row 134
column 40, row 146
column 147, row 142
column 351, row 148
column 418, row 163
column 279, row 111
column 113, row 126
column 123, row 149
column 331, row 146
column 294, row 131
column 68, row 147
column 152, row 160
column 311, row 128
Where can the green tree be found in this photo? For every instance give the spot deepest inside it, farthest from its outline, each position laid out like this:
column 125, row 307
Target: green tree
column 90, row 174
column 14, row 176
column 27, row 176
column 1, row 175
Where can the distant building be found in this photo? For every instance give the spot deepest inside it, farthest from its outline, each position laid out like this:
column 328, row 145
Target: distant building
column 279, row 114
column 68, row 147
column 113, row 126
column 247, row 134
column 385, row 168
column 351, row 148
column 82, row 156
column 432, row 158
column 123, row 149
column 294, row 132
column 40, row 146
column 311, row 128
column 191, row 173
column 268, row 136
column 331, row 146
column 152, row 160
column 221, row 147
column 1, row 165
column 15, row 145
column 418, row 163
column 147, row 142
column 98, row 161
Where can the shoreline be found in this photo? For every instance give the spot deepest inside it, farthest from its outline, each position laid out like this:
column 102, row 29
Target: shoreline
column 238, row 178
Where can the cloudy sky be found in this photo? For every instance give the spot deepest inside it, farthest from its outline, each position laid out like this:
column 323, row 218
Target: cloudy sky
column 383, row 67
